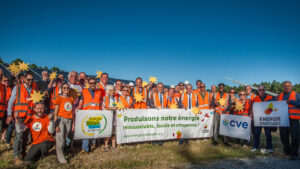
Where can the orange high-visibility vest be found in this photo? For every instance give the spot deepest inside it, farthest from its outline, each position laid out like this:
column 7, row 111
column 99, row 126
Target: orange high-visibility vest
column 196, row 91
column 157, row 101
column 8, row 94
column 203, row 103
column 257, row 98
column 177, row 95
column 54, row 94
column 90, row 103
column 184, row 100
column 294, row 111
column 126, row 102
column 102, row 88
column 220, row 109
column 252, row 96
column 140, row 105
column 23, row 106
column 246, row 109
column 2, row 100
column 173, row 100
column 106, row 101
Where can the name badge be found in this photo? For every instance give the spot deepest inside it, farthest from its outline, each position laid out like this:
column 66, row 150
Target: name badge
column 28, row 99
column 93, row 105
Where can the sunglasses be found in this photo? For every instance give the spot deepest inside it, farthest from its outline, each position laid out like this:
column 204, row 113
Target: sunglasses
column 92, row 83
column 28, row 80
column 66, row 88
column 125, row 90
column 242, row 94
column 202, row 86
column 261, row 89
column 232, row 92
column 5, row 80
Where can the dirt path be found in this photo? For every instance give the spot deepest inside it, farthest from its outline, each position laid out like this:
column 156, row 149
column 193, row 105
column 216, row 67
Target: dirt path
column 251, row 163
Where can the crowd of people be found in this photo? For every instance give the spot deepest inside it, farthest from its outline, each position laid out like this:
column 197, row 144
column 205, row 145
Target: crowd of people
column 52, row 121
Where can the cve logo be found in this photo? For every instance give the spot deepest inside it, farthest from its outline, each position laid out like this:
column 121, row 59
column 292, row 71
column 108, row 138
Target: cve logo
column 238, row 124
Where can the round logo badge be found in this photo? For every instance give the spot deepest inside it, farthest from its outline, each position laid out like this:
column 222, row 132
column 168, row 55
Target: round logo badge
column 37, row 126
column 68, row 106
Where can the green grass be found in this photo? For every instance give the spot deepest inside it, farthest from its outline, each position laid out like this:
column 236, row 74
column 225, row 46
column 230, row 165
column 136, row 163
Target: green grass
column 170, row 155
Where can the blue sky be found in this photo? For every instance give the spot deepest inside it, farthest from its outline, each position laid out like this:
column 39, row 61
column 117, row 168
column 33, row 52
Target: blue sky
column 251, row 41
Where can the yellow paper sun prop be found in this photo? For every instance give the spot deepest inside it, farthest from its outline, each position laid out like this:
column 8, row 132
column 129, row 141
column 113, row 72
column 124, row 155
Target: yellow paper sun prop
column 144, row 84
column 138, row 97
column 36, row 96
column 239, row 107
column 195, row 110
column 23, row 66
column 14, row 68
column 53, row 75
column 173, row 106
column 222, row 102
column 99, row 73
column 153, row 79
column 120, row 105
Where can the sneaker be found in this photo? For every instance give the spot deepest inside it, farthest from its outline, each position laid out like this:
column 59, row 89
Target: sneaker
column 254, row 149
column 63, row 162
column 106, row 149
column 263, row 151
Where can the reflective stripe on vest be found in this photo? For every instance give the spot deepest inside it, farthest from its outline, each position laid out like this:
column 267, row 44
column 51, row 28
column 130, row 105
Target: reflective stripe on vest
column 22, row 106
column 294, row 111
column 2, row 100
column 220, row 109
column 89, row 102
column 159, row 104
column 204, row 103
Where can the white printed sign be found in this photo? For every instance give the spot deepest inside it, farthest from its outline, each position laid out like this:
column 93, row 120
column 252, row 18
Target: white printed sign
column 152, row 124
column 93, row 124
column 271, row 114
column 235, row 126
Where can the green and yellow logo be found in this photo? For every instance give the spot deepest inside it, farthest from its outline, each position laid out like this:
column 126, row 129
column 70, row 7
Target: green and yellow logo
column 96, row 124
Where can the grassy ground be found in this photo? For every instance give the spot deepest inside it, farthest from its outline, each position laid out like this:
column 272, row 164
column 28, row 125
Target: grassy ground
column 170, row 155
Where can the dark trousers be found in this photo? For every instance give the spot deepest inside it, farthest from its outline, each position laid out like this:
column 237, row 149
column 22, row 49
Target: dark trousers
column 182, row 140
column 9, row 132
column 37, row 151
column 256, row 137
column 285, row 132
column 20, row 141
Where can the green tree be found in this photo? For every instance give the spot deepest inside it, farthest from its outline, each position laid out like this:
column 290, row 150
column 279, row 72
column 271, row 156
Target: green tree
column 17, row 61
column 55, row 69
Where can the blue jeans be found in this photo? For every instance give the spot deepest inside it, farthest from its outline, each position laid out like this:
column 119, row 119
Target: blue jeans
column 257, row 132
column 86, row 145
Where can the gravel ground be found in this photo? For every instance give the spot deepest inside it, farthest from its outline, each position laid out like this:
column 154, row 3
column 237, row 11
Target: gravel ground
column 251, row 163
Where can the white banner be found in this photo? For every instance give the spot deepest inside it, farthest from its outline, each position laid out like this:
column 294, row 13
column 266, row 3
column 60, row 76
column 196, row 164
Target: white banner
column 93, row 124
column 235, row 126
column 271, row 114
column 151, row 124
